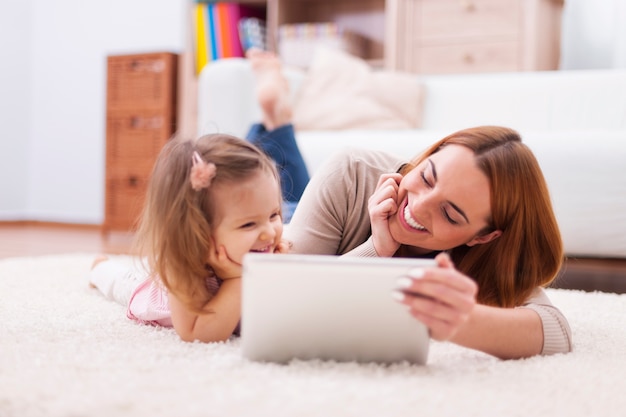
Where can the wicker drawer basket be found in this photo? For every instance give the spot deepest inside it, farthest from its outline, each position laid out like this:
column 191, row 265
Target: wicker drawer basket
column 124, row 201
column 146, row 81
column 141, row 118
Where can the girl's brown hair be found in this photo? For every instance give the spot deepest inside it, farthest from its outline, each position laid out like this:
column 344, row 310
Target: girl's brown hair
column 529, row 253
column 174, row 234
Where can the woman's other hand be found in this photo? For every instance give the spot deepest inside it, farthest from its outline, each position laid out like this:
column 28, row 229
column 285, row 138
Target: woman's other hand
column 284, row 246
column 442, row 298
column 382, row 205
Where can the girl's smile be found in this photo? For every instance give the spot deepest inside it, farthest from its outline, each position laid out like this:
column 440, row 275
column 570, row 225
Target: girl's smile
column 248, row 216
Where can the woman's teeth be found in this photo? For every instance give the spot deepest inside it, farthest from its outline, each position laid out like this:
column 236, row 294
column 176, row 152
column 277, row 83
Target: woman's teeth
column 410, row 220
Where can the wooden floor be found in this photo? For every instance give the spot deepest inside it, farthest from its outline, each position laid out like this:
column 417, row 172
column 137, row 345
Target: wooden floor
column 35, row 239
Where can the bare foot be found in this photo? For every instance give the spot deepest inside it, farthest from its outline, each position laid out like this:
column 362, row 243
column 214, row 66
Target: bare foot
column 95, row 262
column 272, row 89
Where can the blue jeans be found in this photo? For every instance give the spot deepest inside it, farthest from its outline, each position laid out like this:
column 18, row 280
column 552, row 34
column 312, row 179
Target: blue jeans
column 280, row 145
column 288, row 208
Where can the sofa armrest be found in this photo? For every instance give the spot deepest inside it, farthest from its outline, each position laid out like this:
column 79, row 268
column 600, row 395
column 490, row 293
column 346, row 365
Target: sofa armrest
column 226, row 96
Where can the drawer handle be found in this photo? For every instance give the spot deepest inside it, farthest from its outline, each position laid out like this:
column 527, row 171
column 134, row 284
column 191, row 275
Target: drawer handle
column 133, row 181
column 468, row 58
column 156, row 122
column 157, row 65
column 138, row 122
column 468, row 6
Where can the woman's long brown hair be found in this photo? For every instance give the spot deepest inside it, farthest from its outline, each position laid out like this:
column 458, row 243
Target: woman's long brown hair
column 529, row 253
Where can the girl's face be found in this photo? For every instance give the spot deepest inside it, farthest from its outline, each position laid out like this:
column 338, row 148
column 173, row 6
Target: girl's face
column 247, row 216
column 443, row 203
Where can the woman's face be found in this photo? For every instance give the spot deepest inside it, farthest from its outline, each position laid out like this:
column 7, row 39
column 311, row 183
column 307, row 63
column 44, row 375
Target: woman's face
column 247, row 216
column 443, row 203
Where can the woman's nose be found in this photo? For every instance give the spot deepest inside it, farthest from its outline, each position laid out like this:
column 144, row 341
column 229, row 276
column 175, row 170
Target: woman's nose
column 423, row 201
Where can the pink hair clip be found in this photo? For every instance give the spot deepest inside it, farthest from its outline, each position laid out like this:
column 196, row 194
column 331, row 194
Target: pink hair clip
column 202, row 172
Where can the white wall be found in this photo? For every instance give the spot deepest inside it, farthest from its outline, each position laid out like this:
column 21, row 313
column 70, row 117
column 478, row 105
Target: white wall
column 53, row 97
column 15, row 91
column 593, row 34
column 53, row 83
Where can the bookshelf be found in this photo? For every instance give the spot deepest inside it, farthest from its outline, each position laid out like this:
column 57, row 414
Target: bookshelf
column 188, row 68
column 366, row 18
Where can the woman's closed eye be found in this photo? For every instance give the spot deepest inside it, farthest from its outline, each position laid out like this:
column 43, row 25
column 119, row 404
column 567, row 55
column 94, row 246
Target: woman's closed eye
column 430, row 183
column 425, row 180
column 450, row 220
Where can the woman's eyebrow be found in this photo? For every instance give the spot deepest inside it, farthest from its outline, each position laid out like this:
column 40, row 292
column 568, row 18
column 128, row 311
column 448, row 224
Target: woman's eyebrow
column 454, row 206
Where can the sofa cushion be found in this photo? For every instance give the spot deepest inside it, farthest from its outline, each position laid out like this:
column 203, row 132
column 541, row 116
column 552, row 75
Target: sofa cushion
column 341, row 91
column 538, row 100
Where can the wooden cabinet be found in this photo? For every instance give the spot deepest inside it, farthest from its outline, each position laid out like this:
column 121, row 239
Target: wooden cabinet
column 460, row 36
column 440, row 36
column 141, row 117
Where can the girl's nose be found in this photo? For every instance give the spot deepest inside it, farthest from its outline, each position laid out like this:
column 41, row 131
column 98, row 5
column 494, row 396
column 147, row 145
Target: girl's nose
column 268, row 233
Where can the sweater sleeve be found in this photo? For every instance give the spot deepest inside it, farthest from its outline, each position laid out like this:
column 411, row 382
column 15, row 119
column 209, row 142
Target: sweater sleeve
column 365, row 250
column 557, row 335
column 332, row 217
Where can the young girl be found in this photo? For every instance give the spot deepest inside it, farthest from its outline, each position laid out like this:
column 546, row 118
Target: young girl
column 209, row 202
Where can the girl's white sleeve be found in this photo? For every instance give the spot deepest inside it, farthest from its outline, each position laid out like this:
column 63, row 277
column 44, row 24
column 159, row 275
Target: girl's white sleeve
column 118, row 277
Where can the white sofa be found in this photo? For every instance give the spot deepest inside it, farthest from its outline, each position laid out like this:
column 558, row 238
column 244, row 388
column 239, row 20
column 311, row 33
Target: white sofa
column 574, row 121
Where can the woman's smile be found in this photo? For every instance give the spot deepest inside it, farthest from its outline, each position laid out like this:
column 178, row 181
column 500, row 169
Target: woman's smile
column 410, row 221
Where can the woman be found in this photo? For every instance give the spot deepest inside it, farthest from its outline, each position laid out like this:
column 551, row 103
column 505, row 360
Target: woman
column 476, row 200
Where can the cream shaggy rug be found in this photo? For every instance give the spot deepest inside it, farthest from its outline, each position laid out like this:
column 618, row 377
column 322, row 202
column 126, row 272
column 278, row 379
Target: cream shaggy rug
column 66, row 351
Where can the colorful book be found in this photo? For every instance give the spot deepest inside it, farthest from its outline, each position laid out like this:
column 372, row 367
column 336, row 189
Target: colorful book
column 222, row 11
column 213, row 33
column 201, row 36
column 219, row 32
column 234, row 15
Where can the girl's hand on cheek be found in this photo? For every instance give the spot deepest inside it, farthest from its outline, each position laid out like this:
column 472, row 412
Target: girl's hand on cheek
column 442, row 298
column 382, row 205
column 223, row 266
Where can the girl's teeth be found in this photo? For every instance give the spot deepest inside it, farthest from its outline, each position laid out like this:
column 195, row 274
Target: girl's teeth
column 410, row 221
column 267, row 249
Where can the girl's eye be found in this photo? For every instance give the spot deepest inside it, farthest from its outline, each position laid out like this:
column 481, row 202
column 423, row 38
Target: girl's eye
column 275, row 216
column 247, row 225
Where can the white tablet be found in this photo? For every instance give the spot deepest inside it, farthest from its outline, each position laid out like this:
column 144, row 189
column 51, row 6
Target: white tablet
column 329, row 308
